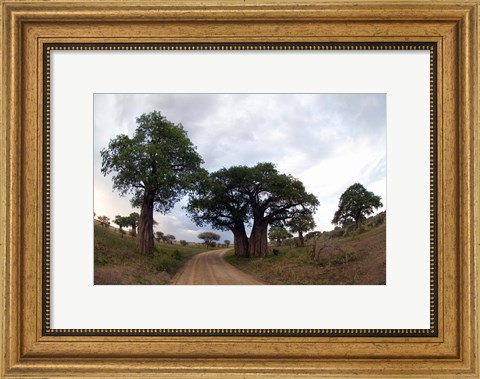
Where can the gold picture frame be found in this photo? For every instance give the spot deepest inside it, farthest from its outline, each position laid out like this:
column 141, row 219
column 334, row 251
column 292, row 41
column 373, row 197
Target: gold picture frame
column 31, row 28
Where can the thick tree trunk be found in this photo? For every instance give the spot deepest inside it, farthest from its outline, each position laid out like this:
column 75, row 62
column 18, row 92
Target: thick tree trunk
column 301, row 241
column 240, row 241
column 145, row 225
column 258, row 244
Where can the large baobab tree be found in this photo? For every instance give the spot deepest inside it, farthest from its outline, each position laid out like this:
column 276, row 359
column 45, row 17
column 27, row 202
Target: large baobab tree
column 155, row 166
column 356, row 203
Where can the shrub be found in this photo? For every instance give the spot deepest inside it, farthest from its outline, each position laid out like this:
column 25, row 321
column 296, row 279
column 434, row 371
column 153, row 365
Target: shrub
column 312, row 235
column 167, row 261
column 376, row 220
column 336, row 233
column 349, row 230
column 183, row 243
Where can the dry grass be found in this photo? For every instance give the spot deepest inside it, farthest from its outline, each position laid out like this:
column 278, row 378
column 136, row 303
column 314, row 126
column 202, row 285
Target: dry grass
column 116, row 262
column 353, row 260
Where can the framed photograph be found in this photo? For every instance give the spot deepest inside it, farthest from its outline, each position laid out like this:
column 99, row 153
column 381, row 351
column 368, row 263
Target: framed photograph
column 239, row 190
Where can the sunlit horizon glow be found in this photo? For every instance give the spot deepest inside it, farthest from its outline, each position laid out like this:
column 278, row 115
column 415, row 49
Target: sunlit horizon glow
column 328, row 141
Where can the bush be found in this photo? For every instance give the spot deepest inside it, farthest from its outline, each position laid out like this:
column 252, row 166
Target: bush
column 167, row 261
column 183, row 243
column 312, row 235
column 376, row 220
column 350, row 230
column 336, row 233
column 275, row 251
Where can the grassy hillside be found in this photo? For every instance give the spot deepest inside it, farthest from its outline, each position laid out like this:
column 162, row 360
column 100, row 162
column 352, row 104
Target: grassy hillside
column 356, row 259
column 117, row 263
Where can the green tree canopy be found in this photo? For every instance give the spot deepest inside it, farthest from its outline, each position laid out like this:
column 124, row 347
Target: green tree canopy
column 160, row 236
column 133, row 219
column 274, row 197
column 217, row 201
column 300, row 223
column 121, row 221
column 156, row 167
column 169, row 238
column 278, row 234
column 209, row 237
column 104, row 221
column 230, row 198
column 355, row 204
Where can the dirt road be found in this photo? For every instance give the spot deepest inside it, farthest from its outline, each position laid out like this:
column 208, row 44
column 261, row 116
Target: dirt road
column 210, row 268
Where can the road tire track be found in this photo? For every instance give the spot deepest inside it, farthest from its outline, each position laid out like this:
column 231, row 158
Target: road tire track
column 211, row 268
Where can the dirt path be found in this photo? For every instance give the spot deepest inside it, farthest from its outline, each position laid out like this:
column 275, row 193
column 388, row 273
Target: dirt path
column 210, row 268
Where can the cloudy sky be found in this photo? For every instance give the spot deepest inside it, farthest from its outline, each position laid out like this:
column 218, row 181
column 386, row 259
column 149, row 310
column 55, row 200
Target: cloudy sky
column 328, row 141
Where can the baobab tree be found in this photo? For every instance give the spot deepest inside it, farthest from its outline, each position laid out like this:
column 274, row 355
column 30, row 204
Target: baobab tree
column 356, row 203
column 274, row 198
column 155, row 167
column 230, row 198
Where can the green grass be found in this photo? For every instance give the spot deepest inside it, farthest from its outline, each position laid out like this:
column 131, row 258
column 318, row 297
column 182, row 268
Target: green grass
column 116, row 262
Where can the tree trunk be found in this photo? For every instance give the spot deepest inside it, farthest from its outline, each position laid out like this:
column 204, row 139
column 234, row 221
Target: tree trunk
column 145, row 225
column 240, row 241
column 358, row 223
column 134, row 227
column 301, row 241
column 258, row 244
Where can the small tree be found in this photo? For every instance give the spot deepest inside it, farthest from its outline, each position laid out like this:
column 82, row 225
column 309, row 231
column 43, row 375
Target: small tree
column 300, row 223
column 104, row 221
column 122, row 222
column 209, row 237
column 278, row 234
column 133, row 219
column 355, row 204
column 183, row 243
column 227, row 243
column 159, row 236
column 169, row 238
